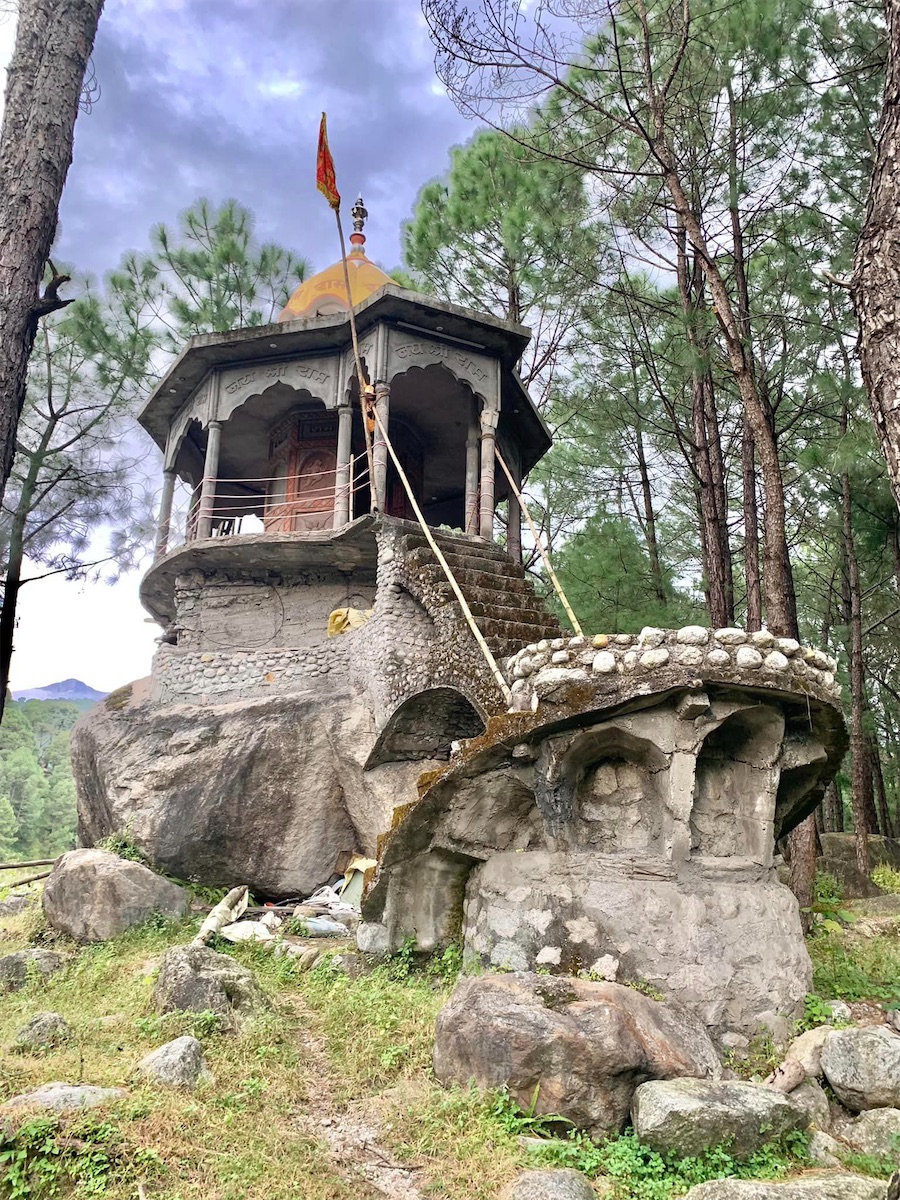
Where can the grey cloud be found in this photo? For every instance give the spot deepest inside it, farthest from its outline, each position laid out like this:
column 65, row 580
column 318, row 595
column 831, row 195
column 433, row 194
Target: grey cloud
column 222, row 98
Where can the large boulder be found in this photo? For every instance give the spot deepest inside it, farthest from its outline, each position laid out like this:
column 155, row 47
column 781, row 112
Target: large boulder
column 195, row 979
column 92, row 895
column 876, row 1132
column 179, row 1063
column 863, row 1067
column 16, row 969
column 810, row 1187
column 267, row 791
column 568, row 1046
column 690, row 1116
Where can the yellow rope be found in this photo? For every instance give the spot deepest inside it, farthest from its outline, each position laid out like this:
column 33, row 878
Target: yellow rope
column 537, row 541
column 451, row 579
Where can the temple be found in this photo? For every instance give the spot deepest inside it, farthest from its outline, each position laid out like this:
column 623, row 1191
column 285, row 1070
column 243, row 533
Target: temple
column 278, row 522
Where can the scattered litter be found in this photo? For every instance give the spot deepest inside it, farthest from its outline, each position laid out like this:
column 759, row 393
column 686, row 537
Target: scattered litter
column 247, row 931
column 323, row 927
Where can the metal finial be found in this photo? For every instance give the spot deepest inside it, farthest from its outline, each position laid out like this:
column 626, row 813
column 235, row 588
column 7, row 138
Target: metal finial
column 359, row 214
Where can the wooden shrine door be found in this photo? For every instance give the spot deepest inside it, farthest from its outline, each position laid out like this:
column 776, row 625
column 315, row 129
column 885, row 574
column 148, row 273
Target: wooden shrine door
column 303, row 462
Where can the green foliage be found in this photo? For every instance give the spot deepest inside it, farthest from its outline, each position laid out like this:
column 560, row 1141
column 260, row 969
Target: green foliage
column 45, row 1155
column 887, row 878
column 867, row 969
column 37, row 792
column 816, row 1012
column 640, row 1173
column 124, row 845
column 610, row 580
column 882, row 1166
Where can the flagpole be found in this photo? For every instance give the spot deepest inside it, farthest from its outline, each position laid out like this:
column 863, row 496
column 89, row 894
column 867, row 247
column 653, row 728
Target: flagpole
column 366, row 392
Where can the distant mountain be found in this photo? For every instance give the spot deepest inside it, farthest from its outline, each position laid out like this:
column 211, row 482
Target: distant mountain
column 69, row 689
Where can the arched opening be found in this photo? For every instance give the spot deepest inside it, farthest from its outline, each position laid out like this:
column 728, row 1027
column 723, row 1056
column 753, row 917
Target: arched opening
column 735, row 785
column 425, row 726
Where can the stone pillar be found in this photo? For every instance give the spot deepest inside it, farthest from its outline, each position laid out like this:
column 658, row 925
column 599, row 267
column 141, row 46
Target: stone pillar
column 165, row 513
column 210, row 477
column 379, row 446
column 514, row 522
column 489, row 419
column 343, row 475
column 471, row 501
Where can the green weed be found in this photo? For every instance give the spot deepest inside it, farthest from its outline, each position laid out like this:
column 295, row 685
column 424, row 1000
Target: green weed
column 887, row 878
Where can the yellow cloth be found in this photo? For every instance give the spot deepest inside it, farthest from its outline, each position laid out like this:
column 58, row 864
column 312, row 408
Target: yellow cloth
column 342, row 620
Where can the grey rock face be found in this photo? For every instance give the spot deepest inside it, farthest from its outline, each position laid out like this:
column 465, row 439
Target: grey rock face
column 92, row 895
column 693, row 1115
column 43, row 1031
column 875, row 1132
column 195, row 979
column 863, row 1067
column 179, row 1063
column 15, row 969
column 810, row 1187
column 824, row 1150
column 65, row 1097
column 581, row 1047
column 268, row 791
column 811, row 1099
column 559, row 1184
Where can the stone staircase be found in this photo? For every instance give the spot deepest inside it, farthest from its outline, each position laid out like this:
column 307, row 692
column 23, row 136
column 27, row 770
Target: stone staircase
column 503, row 601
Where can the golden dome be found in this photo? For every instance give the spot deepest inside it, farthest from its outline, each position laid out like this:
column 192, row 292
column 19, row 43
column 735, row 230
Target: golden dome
column 326, row 293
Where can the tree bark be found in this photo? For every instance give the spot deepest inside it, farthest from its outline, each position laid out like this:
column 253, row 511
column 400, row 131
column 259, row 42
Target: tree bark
column 876, row 275
column 54, row 39
column 649, row 521
column 857, row 681
column 752, row 579
column 887, row 825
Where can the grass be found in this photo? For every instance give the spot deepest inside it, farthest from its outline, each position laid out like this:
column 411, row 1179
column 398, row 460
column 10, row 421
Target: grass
column 849, row 967
column 330, row 1045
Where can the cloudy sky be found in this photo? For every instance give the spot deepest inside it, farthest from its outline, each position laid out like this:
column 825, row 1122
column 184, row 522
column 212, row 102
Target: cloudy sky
column 221, row 98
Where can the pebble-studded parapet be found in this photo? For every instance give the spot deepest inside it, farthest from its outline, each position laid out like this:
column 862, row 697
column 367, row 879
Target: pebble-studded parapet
column 759, row 658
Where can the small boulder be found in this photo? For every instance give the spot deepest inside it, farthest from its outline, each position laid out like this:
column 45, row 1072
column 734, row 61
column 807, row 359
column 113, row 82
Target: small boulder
column 689, row 1116
column 92, row 895
column 44, row 1031
column 15, row 969
column 824, row 1150
column 816, row 1186
column 810, row 1097
column 554, row 1184
column 572, row 1047
column 195, row 979
column 65, row 1097
column 863, row 1067
column 179, row 1063
column 13, row 905
column 876, row 1132
column 807, row 1050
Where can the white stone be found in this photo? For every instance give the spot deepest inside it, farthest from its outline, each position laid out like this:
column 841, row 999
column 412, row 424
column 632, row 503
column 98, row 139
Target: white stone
column 623, row 639
column 827, row 679
column 654, row 658
column 542, row 646
column 629, row 661
column 788, row 646
column 606, row 967
column 748, row 658
column 776, row 661
column 557, row 644
column 549, row 955
column 559, row 657
column 689, row 656
column 577, row 641
column 730, row 637
column 718, row 658
column 651, row 637
column 692, row 635
column 604, row 663
column 762, row 638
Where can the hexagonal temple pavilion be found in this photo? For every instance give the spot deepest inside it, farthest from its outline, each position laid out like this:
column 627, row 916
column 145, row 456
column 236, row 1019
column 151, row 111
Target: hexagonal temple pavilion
column 284, row 522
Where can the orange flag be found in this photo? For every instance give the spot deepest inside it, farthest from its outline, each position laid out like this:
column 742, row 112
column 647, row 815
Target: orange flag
column 325, row 180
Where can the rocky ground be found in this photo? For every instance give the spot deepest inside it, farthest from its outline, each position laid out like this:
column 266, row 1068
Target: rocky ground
column 293, row 1084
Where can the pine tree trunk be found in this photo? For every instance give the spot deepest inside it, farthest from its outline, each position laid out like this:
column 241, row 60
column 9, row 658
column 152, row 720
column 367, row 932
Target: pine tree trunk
column 857, row 684
column 649, row 521
column 876, row 276
column 884, row 816
column 752, row 579
column 53, row 43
